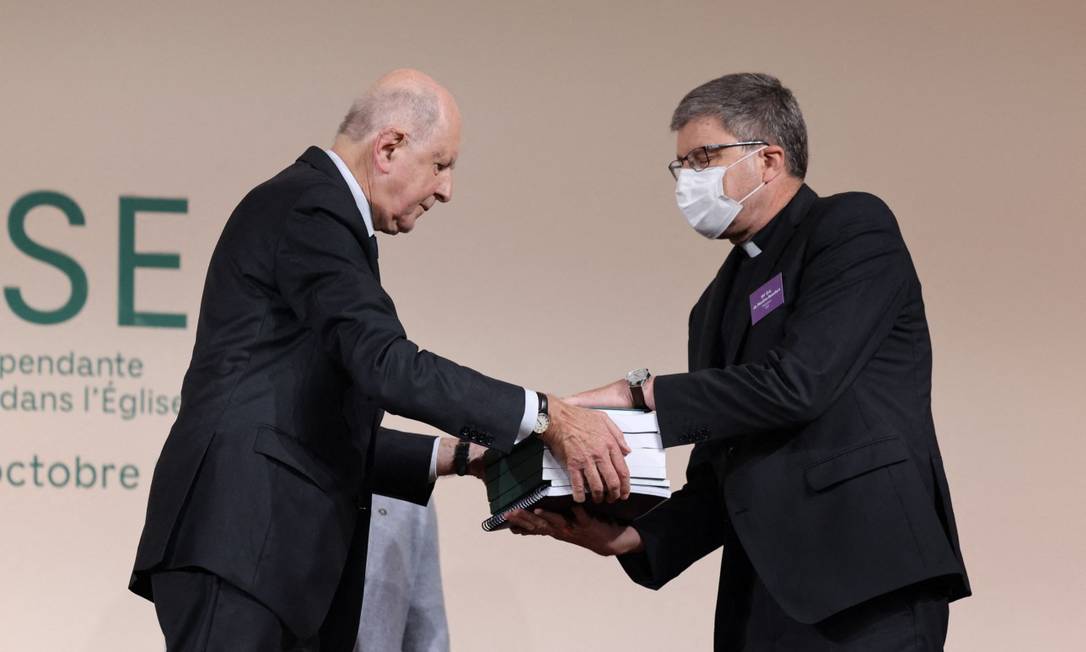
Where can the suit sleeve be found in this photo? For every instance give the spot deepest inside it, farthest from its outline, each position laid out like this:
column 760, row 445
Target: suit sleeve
column 854, row 285
column 681, row 530
column 323, row 274
column 401, row 465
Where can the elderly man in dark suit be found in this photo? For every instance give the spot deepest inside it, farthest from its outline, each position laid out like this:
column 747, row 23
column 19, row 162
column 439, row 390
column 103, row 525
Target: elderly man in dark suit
column 808, row 401
column 255, row 536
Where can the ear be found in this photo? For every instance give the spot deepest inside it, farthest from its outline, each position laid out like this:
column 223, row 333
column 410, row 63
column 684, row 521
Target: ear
column 385, row 144
column 775, row 163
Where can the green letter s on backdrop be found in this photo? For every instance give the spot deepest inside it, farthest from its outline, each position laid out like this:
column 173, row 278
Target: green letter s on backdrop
column 77, row 298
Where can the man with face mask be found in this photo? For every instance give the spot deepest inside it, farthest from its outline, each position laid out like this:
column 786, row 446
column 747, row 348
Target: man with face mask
column 255, row 537
column 815, row 462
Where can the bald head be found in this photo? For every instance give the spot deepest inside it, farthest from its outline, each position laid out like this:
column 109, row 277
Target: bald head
column 400, row 140
column 406, row 100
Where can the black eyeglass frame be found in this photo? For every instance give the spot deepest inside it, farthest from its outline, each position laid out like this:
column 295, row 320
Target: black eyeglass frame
column 676, row 165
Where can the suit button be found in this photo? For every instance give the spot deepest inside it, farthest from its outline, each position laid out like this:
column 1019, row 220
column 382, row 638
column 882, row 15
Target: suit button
column 382, row 511
column 731, row 450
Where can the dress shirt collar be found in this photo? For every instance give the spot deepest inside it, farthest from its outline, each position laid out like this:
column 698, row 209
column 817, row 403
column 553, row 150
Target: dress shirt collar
column 356, row 190
column 751, row 247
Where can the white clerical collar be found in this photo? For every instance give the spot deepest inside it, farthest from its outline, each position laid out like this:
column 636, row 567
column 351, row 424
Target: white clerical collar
column 356, row 190
column 752, row 249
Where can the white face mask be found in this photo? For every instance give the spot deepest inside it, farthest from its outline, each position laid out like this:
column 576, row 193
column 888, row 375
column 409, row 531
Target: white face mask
column 701, row 198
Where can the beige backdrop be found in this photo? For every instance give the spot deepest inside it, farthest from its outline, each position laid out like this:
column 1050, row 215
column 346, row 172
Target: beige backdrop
column 562, row 261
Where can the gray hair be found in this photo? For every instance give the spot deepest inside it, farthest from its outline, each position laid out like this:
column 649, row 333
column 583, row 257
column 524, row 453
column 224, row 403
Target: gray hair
column 414, row 109
column 752, row 106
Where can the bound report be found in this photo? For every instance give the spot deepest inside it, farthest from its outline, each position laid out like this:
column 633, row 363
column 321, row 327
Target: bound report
column 530, row 477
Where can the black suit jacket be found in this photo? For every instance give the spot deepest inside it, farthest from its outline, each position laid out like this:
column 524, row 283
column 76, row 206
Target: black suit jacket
column 815, row 452
column 268, row 470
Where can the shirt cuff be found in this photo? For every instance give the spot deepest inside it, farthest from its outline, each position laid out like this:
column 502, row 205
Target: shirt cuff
column 433, row 460
column 531, row 409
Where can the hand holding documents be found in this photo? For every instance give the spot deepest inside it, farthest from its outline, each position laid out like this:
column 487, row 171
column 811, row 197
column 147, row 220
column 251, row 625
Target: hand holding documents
column 531, row 477
column 603, row 537
column 591, row 448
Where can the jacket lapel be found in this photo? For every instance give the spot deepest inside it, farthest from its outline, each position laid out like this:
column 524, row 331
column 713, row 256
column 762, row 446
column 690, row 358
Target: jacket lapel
column 344, row 204
column 764, row 266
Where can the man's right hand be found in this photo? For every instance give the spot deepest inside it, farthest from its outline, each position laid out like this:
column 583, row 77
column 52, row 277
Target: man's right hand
column 592, row 449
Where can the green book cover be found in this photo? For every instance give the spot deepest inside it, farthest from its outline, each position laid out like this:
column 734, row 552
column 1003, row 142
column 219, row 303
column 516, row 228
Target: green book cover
column 524, row 462
column 507, row 476
column 513, row 495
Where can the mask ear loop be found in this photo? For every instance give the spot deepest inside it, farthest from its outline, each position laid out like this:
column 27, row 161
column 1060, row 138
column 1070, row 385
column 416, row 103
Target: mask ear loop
column 759, row 187
column 756, row 189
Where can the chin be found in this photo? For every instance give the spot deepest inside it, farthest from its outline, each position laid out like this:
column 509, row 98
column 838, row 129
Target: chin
column 407, row 224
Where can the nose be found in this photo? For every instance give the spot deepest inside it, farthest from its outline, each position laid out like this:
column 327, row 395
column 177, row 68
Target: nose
column 444, row 189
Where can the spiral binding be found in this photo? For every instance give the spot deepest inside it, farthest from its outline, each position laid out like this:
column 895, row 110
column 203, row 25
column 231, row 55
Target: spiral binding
column 498, row 520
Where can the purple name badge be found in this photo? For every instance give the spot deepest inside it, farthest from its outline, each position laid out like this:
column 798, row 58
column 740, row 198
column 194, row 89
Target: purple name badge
column 766, row 299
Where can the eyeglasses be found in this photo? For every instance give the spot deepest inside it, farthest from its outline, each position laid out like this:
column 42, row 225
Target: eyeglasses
column 699, row 158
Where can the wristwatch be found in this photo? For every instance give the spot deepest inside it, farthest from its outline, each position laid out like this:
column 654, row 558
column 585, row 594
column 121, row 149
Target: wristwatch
column 543, row 418
column 637, row 379
column 460, row 457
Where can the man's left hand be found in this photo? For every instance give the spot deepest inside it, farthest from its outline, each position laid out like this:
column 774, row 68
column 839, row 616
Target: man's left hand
column 582, row 530
column 476, row 465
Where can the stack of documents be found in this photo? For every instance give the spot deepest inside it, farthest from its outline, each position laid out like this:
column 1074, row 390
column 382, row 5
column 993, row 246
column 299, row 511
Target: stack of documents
column 530, row 477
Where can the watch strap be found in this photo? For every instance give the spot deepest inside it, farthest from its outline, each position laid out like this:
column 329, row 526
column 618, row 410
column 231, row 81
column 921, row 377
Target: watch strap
column 460, row 457
column 636, row 380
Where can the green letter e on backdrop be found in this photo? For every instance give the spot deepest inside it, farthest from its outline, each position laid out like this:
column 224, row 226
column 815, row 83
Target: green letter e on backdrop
column 129, row 259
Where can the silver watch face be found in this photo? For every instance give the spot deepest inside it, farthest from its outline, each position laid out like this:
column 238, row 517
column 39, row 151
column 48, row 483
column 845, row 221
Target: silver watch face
column 637, row 377
column 542, row 422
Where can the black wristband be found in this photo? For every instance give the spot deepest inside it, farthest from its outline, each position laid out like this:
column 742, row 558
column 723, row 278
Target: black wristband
column 542, row 403
column 460, row 457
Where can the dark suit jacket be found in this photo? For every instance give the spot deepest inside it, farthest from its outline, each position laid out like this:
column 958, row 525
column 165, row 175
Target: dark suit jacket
column 815, row 446
column 269, row 468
